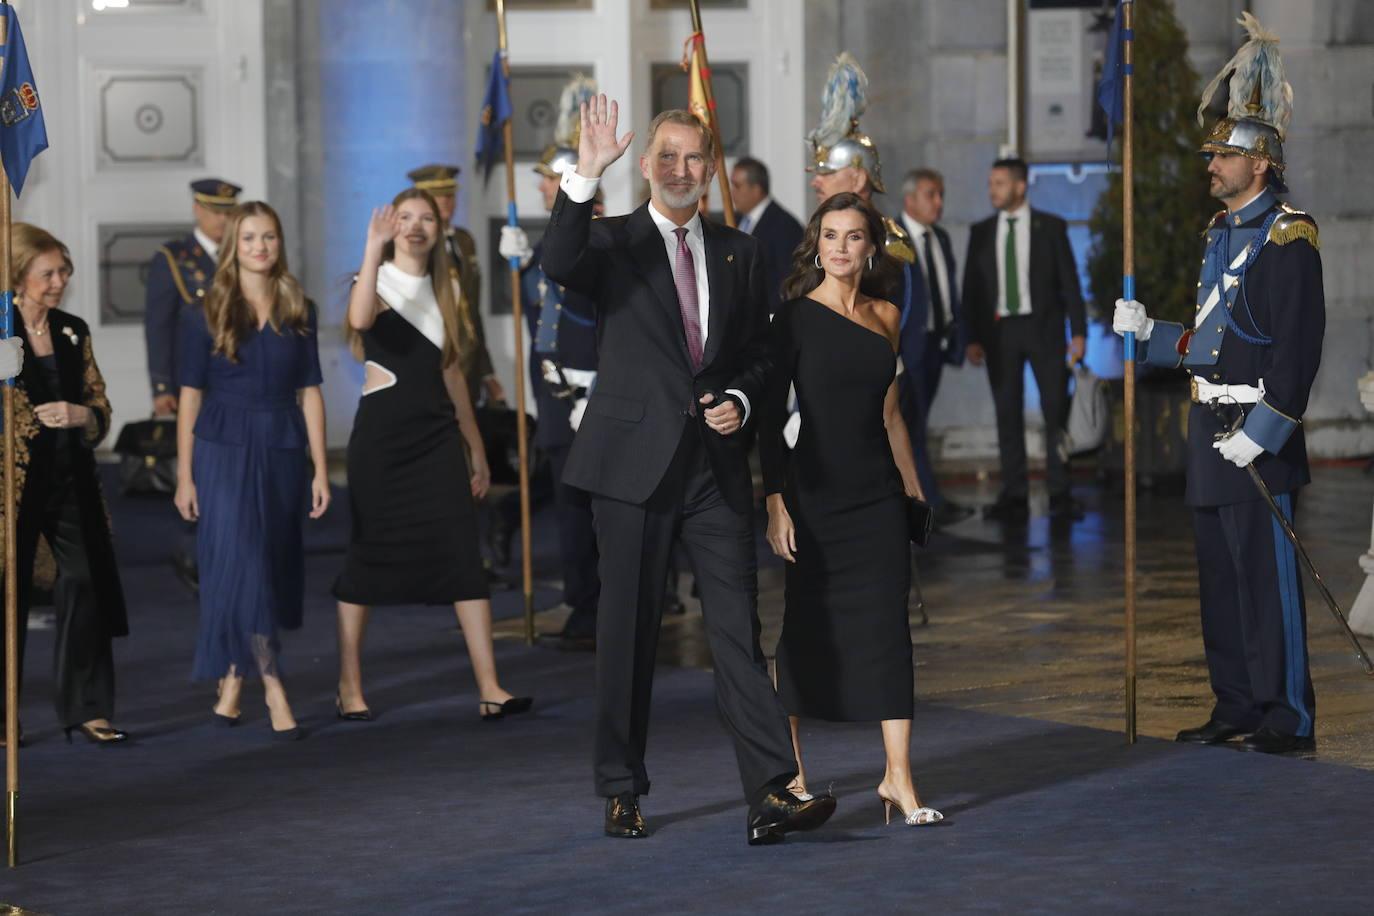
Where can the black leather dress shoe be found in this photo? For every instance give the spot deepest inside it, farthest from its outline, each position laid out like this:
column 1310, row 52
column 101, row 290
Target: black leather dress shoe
column 1268, row 741
column 1213, row 732
column 623, row 819
column 781, row 813
column 1007, row 510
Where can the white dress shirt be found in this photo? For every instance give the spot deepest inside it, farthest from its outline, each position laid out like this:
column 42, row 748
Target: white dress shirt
column 210, row 247
column 917, row 231
column 1022, row 216
column 754, row 215
column 580, row 190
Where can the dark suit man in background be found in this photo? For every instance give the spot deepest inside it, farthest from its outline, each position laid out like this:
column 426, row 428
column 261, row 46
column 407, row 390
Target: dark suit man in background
column 179, row 278
column 681, row 331
column 761, row 216
column 932, row 323
column 1020, row 284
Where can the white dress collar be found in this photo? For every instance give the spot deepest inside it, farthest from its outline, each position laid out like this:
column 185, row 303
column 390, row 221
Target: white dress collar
column 412, row 298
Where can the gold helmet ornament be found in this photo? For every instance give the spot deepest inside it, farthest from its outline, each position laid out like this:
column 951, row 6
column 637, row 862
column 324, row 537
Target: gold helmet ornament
column 561, row 155
column 837, row 142
column 1260, row 104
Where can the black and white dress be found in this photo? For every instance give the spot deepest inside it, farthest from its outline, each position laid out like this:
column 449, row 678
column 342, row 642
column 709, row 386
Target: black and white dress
column 414, row 535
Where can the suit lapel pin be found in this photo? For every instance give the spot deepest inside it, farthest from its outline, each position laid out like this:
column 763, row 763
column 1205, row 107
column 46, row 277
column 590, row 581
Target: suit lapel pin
column 729, row 259
column 70, row 334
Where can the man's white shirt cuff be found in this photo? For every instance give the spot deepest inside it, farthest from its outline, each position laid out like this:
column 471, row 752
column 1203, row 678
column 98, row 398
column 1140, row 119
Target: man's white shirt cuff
column 579, row 189
column 743, row 399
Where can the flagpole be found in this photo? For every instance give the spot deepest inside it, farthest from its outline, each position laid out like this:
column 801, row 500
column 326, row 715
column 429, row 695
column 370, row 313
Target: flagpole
column 11, row 507
column 699, row 41
column 517, row 311
column 1128, row 292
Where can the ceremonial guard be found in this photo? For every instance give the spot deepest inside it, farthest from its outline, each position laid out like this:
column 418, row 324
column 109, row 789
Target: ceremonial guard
column 1252, row 352
column 562, row 327
column 179, row 277
column 844, row 158
column 441, row 181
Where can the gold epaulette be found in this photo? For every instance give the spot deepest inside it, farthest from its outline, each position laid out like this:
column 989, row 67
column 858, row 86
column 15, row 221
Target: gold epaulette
column 898, row 243
column 1217, row 219
column 1292, row 225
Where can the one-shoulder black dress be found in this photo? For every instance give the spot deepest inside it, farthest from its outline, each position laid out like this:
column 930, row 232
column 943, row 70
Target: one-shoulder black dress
column 414, row 537
column 845, row 649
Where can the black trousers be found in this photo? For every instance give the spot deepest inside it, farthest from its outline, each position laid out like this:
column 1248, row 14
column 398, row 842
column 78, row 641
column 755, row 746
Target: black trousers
column 576, row 539
column 916, row 391
column 1254, row 619
column 83, row 660
column 1020, row 341
column 636, row 542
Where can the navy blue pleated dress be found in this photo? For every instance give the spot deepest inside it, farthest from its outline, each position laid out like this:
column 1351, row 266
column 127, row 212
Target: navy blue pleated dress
column 251, row 468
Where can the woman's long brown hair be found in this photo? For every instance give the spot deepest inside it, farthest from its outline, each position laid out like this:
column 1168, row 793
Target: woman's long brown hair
column 227, row 313
column 442, row 275
column 881, row 282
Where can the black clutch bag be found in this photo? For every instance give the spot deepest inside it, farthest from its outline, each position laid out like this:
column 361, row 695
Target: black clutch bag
column 919, row 521
column 147, row 453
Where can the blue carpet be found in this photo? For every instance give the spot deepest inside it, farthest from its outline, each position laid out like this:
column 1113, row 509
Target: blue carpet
column 429, row 810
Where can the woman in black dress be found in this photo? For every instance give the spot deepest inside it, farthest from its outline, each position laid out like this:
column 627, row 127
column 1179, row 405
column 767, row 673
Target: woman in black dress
column 61, row 414
column 411, row 487
column 837, row 503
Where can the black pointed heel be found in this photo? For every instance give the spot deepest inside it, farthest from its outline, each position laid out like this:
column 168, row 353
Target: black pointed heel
column 512, row 707
column 96, row 734
column 223, row 721
column 361, row 715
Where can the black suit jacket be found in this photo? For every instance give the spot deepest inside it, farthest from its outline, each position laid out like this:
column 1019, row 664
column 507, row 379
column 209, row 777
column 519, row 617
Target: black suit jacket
column 1055, row 290
column 646, row 393
column 779, row 234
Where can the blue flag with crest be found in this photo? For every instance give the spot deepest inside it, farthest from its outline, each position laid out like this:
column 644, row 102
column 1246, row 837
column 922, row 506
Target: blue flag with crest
column 496, row 110
column 22, row 132
column 1113, row 83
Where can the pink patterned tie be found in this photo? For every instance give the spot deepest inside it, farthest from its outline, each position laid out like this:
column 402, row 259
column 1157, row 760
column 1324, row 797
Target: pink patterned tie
column 685, row 279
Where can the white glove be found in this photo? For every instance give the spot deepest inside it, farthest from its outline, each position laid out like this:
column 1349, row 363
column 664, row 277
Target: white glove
column 11, row 357
column 791, row 430
column 1130, row 318
column 1238, row 448
column 1366, row 387
column 578, row 409
column 515, row 244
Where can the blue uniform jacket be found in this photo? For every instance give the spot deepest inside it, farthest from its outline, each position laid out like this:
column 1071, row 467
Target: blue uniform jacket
column 179, row 278
column 567, row 319
column 1269, row 327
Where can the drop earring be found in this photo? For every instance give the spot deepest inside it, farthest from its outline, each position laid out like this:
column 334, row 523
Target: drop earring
column 870, row 262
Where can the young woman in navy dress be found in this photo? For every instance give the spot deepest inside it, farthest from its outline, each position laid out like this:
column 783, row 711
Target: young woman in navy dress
column 410, row 485
column 250, row 459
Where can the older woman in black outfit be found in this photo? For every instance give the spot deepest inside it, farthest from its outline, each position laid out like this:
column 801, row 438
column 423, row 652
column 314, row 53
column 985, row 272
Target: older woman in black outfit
column 61, row 414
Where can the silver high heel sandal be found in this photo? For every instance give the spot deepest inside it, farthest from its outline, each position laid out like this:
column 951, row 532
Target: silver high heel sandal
column 918, row 818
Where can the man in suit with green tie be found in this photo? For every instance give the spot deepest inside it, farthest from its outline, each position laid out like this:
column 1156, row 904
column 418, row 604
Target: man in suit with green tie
column 1020, row 285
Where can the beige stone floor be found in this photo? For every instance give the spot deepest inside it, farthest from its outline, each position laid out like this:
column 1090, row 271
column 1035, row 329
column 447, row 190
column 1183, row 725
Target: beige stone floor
column 1030, row 622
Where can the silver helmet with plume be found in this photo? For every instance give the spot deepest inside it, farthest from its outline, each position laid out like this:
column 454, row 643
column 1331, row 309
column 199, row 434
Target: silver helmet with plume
column 1260, row 104
column 837, row 142
column 561, row 155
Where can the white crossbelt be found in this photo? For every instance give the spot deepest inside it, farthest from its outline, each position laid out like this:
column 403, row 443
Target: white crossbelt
column 1228, row 280
column 1204, row 391
column 578, row 378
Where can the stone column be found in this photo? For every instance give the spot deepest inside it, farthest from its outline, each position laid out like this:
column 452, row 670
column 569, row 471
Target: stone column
column 1362, row 612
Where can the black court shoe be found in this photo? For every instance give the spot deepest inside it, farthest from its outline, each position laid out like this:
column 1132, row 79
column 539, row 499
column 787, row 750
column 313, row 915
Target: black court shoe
column 357, row 715
column 493, row 711
column 1214, row 732
column 623, row 820
column 781, row 813
column 1268, row 741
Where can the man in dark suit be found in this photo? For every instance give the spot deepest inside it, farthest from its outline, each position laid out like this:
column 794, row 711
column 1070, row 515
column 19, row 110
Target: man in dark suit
column 1020, row 285
column 682, row 335
column 179, row 278
column 761, row 216
column 930, row 326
